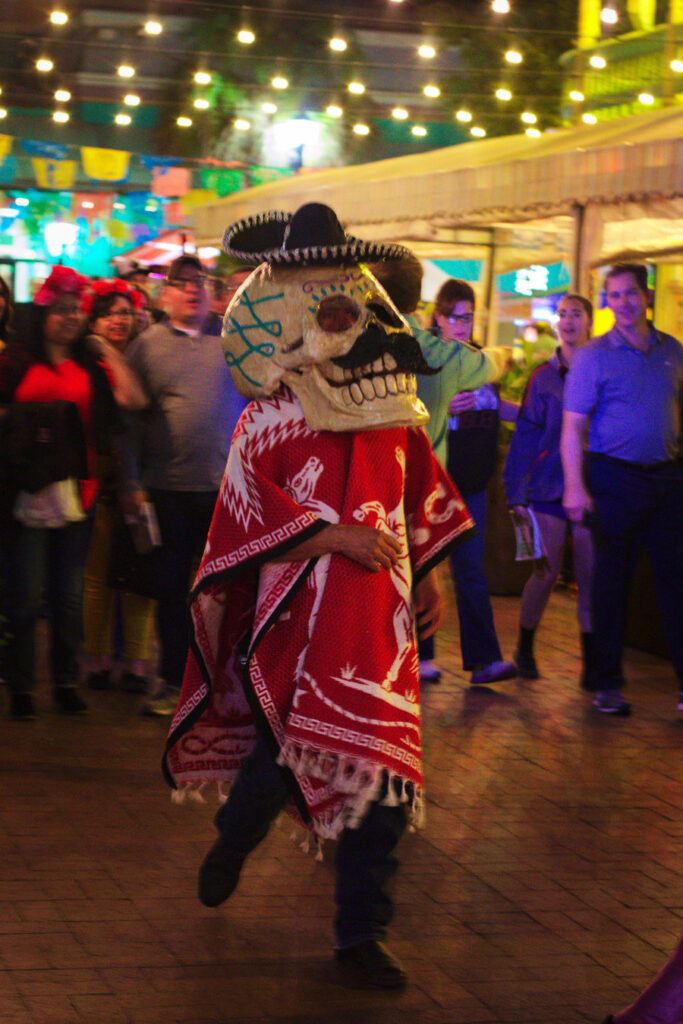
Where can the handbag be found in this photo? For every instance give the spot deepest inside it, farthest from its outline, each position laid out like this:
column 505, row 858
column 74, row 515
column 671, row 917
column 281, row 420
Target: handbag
column 129, row 568
column 53, row 506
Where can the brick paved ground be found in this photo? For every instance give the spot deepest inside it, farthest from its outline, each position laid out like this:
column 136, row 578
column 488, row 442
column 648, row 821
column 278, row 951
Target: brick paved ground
column 546, row 888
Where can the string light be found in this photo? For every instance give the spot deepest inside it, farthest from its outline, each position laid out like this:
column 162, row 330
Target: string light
column 87, row 205
column 123, row 119
column 576, row 96
column 44, row 64
column 131, row 100
column 357, row 88
column 418, row 130
column 279, row 82
column 153, row 28
column 399, row 114
column 59, row 17
column 125, row 71
column 269, row 108
column 246, row 36
column 646, row 98
column 426, row 51
column 62, row 95
column 184, row 122
column 432, row 91
column 337, row 44
column 478, row 133
column 333, row 110
column 463, row 115
column 242, row 125
column 609, row 16
column 503, row 94
column 21, row 201
column 500, row 7
column 533, row 133
column 589, row 119
column 60, row 116
column 202, row 78
column 597, row 61
column 528, row 117
column 513, row 57
column 118, row 206
column 201, row 104
column 361, row 129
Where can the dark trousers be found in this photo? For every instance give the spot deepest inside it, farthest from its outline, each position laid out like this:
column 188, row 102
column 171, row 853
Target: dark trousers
column 184, row 519
column 45, row 569
column 634, row 506
column 366, row 859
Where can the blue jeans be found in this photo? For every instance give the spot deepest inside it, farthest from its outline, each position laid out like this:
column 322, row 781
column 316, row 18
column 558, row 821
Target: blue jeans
column 634, row 507
column 366, row 858
column 45, row 568
column 184, row 518
column 478, row 641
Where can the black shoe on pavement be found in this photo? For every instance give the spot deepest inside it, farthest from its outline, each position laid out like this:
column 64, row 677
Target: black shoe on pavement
column 131, row 683
column 99, row 680
column 69, row 701
column 218, row 875
column 22, row 707
column 526, row 665
column 373, row 963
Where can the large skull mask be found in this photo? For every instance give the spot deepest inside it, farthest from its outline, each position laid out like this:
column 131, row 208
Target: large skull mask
column 334, row 337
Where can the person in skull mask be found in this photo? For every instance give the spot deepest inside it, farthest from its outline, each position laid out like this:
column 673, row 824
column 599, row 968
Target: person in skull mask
column 302, row 685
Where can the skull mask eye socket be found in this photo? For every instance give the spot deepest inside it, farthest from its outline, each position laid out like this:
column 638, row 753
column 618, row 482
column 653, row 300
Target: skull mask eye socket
column 337, row 313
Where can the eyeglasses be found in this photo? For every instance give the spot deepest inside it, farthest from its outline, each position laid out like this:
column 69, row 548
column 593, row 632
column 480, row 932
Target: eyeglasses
column 121, row 314
column 185, row 283
column 460, row 318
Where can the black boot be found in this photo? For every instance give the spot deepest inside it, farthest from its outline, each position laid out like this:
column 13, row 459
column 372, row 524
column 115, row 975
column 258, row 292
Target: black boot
column 588, row 654
column 524, row 655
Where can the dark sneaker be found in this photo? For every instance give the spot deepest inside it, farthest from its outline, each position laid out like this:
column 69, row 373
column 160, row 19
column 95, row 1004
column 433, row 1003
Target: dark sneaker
column 22, row 707
column 131, row 683
column 493, row 673
column 611, row 702
column 99, row 680
column 69, row 701
column 526, row 665
column 218, row 875
column 373, row 963
column 429, row 672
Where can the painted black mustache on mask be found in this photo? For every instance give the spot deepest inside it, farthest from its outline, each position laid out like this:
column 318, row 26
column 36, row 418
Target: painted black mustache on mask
column 374, row 342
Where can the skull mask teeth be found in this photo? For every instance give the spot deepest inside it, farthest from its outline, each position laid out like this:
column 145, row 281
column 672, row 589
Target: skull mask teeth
column 334, row 337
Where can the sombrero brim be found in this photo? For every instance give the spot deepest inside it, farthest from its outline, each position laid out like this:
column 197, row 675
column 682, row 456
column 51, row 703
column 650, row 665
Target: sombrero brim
column 260, row 239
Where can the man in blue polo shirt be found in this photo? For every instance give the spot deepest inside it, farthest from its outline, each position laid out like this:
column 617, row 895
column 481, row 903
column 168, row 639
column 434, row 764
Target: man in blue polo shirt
column 624, row 391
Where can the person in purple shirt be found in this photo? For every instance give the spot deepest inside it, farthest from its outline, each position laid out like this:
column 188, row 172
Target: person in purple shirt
column 533, row 480
column 623, row 394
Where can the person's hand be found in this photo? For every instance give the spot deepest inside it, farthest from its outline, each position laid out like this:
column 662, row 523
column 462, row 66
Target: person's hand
column 577, row 504
column 520, row 512
column 428, row 605
column 370, row 547
column 461, row 403
column 132, row 501
column 97, row 344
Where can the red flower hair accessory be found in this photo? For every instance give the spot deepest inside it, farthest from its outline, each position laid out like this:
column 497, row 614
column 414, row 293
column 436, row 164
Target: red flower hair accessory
column 117, row 286
column 62, row 281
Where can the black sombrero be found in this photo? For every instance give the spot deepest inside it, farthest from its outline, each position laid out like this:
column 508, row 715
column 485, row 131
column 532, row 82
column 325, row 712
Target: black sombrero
column 312, row 235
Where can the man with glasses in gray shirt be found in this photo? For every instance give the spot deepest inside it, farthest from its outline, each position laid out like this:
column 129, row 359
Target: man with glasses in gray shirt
column 179, row 447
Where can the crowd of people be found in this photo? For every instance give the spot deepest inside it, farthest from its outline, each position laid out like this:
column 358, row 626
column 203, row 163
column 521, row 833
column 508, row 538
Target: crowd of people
column 117, row 422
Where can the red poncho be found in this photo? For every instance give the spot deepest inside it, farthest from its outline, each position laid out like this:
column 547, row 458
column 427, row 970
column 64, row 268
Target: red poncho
column 332, row 678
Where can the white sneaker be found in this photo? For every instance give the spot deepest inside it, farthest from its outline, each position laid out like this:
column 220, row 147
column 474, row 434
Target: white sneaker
column 162, row 705
column 429, row 672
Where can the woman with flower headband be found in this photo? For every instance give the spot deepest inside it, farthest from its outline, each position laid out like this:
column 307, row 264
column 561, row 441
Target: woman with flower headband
column 60, row 401
column 111, row 308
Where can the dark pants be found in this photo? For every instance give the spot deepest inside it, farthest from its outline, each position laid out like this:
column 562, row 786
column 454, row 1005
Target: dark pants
column 184, row 519
column 45, row 568
column 478, row 640
column 634, row 507
column 366, row 858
